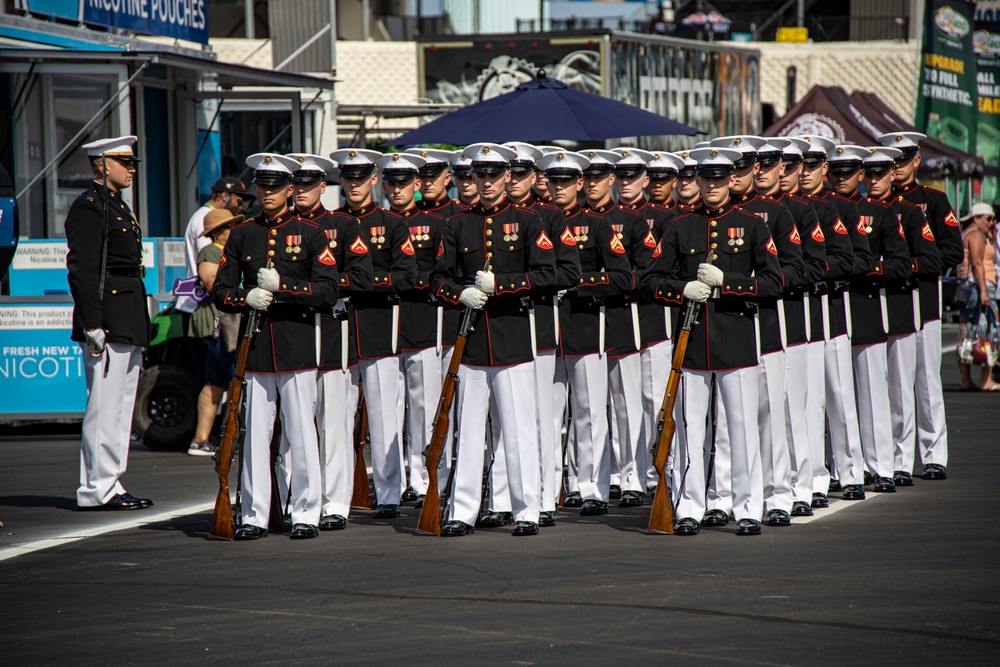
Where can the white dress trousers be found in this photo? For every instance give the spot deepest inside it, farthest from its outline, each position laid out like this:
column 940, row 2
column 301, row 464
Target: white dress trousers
column 514, row 389
column 932, row 426
column 871, row 387
column 719, row 495
column 902, row 357
column 298, row 411
column 797, row 400
column 625, row 385
column 816, row 415
column 551, row 401
column 738, row 393
column 842, row 414
column 655, row 361
column 336, row 405
column 422, row 371
column 384, row 394
column 588, row 381
column 774, row 455
column 107, row 421
column 496, row 462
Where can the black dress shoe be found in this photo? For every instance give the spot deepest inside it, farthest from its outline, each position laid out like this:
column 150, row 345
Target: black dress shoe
column 902, row 478
column 493, row 519
column 286, row 523
column 387, row 511
column 869, row 478
column 884, row 485
column 748, row 527
column 303, row 531
column 572, row 499
column 834, row 485
column 118, row 503
column 615, row 492
column 934, row 471
column 145, row 502
column 455, row 528
column 593, row 508
column 248, row 532
column 420, row 501
column 801, row 508
column 820, row 500
column 687, row 526
column 715, row 518
column 546, row 519
column 852, row 492
column 630, row 499
column 523, row 528
column 409, row 495
column 333, row 522
column 778, row 518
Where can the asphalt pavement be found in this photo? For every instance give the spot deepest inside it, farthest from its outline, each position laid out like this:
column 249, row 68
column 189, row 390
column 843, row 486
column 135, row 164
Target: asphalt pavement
column 895, row 579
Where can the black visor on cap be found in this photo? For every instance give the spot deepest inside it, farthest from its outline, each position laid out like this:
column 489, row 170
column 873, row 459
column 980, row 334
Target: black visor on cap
column 844, row 166
column 398, row 175
column 489, row 168
column 791, row 159
column 522, row 167
column 873, row 168
column 688, row 172
column 432, row 169
column 715, row 171
column 598, row 170
column 630, row 170
column 562, row 172
column 357, row 171
column 464, row 170
column 661, row 174
column 307, row 176
column 769, row 159
column 745, row 161
column 908, row 154
column 271, row 178
column 814, row 158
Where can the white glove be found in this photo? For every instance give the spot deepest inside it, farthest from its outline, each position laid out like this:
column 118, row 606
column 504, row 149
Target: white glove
column 259, row 299
column 710, row 275
column 96, row 338
column 267, row 279
column 340, row 307
column 485, row 282
column 697, row 291
column 473, row 297
column 561, row 294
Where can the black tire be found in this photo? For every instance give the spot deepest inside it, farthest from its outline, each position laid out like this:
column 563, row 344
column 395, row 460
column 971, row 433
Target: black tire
column 166, row 408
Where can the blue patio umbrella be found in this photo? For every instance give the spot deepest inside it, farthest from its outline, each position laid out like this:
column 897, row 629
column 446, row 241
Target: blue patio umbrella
column 540, row 110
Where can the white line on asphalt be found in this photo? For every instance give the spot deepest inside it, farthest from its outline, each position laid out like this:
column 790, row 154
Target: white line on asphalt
column 60, row 540
column 834, row 508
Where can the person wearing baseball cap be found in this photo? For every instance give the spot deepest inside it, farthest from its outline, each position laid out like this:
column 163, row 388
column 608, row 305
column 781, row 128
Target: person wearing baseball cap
column 493, row 258
column 228, row 193
column 932, row 425
column 284, row 265
column 110, row 320
column 634, row 174
column 722, row 256
column 880, row 224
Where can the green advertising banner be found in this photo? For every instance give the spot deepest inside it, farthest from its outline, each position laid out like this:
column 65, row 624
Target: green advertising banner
column 946, row 99
column 986, row 45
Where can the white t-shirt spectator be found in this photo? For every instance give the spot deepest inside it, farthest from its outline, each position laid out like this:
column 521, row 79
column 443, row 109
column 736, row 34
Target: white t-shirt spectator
column 193, row 240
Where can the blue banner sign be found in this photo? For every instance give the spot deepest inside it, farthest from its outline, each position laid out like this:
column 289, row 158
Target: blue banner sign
column 182, row 19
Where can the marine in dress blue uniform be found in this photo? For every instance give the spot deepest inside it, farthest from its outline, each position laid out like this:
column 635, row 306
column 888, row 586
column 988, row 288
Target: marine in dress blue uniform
column 110, row 321
column 281, row 264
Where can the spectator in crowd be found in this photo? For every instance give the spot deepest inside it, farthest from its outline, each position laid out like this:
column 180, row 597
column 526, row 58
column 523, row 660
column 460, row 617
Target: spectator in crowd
column 979, row 265
column 216, row 331
column 228, row 193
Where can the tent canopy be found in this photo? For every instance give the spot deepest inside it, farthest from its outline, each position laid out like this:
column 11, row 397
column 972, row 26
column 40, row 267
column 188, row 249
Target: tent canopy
column 857, row 119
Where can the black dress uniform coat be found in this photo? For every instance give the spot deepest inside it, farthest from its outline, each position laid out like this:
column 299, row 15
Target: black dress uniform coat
column 814, row 259
column 604, row 272
column 840, row 265
column 121, row 310
column 308, row 278
column 444, row 207
column 652, row 318
column 944, row 227
column 632, row 233
column 724, row 337
column 355, row 268
column 418, row 325
column 394, row 272
column 790, row 264
column 567, row 270
column 880, row 225
column 925, row 265
column 513, row 244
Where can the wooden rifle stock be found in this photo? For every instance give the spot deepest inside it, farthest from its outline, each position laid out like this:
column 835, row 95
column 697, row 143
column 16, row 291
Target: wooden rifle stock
column 430, row 513
column 222, row 517
column 661, row 519
column 362, row 496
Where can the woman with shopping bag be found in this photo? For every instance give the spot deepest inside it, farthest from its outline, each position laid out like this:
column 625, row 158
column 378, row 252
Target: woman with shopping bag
column 979, row 335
